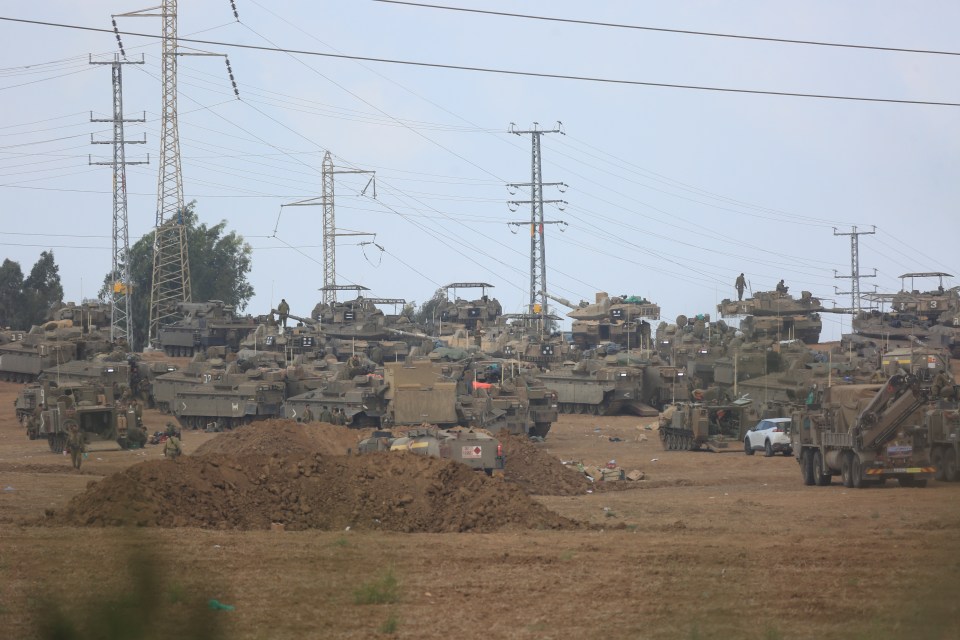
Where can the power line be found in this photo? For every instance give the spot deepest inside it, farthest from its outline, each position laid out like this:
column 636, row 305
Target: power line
column 509, row 72
column 711, row 34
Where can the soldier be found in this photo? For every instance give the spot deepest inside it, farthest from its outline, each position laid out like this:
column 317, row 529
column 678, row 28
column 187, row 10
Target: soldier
column 942, row 386
column 33, row 421
column 782, row 288
column 283, row 309
column 172, row 448
column 76, row 441
column 307, row 415
column 326, row 416
column 138, row 413
column 740, row 285
column 339, row 418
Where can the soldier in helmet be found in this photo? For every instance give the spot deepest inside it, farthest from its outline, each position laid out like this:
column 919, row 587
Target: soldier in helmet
column 76, row 441
column 172, row 447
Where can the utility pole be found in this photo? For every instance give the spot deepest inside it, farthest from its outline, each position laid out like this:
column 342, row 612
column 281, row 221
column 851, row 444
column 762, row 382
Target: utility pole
column 120, row 285
column 538, row 253
column 330, row 233
column 171, row 263
column 854, row 266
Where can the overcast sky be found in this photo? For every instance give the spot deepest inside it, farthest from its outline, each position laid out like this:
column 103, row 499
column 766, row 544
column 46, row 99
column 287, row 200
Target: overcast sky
column 672, row 192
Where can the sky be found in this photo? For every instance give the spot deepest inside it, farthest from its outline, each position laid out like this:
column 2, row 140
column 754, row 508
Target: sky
column 671, row 192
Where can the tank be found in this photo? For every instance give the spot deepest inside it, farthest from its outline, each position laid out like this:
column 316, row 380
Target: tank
column 622, row 320
column 88, row 315
column 476, row 449
column 522, row 337
column 469, row 315
column 805, row 327
column 771, row 303
column 600, row 386
column 204, row 324
column 356, row 387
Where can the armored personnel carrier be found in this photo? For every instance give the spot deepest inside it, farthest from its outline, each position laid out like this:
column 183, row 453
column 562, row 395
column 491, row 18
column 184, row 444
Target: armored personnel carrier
column 204, row 324
column 717, row 427
column 230, row 400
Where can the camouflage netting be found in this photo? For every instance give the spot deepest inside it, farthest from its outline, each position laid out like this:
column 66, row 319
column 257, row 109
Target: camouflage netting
column 305, row 490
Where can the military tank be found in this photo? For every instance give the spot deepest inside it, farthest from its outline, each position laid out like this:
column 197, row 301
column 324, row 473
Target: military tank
column 771, row 303
column 805, row 327
column 356, row 388
column 26, row 354
column 204, row 324
column 600, row 386
column 620, row 319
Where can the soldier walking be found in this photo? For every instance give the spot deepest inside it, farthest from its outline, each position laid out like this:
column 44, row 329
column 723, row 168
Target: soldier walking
column 740, row 285
column 284, row 310
column 172, row 448
column 76, row 442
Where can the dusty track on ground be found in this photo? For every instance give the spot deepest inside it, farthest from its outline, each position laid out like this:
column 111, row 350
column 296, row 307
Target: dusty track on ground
column 708, row 546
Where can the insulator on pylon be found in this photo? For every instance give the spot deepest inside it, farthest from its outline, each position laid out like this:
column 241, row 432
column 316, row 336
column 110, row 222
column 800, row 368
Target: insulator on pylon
column 116, row 32
column 236, row 91
column 236, row 15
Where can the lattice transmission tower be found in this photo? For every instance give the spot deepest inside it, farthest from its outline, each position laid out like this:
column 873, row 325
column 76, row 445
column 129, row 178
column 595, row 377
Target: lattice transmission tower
column 120, row 286
column 854, row 267
column 538, row 251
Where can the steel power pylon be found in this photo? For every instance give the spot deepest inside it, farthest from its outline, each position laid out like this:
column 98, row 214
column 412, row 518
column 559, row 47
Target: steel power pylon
column 538, row 252
column 854, row 266
column 330, row 232
column 120, row 286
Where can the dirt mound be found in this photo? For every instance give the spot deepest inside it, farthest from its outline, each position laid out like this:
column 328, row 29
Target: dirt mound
column 538, row 472
column 285, row 438
column 387, row 491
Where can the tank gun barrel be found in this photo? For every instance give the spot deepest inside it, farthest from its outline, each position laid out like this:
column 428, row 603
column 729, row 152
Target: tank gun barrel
column 411, row 334
column 561, row 300
column 309, row 321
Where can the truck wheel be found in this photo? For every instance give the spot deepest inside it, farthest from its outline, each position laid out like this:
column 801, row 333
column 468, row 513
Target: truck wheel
column 856, row 472
column 806, row 468
column 820, row 478
column 845, row 474
column 936, row 459
column 950, row 465
column 767, row 450
column 747, row 449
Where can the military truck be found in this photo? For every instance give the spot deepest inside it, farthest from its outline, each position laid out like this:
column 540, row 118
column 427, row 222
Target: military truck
column 95, row 414
column 476, row 449
column 204, row 324
column 717, row 427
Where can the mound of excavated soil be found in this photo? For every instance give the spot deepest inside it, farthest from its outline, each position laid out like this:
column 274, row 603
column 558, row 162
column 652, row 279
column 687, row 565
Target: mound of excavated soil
column 389, row 491
column 538, row 472
column 285, row 438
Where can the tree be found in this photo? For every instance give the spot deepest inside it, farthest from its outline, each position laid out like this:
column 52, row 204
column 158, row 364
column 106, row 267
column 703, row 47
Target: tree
column 26, row 302
column 219, row 264
column 11, row 294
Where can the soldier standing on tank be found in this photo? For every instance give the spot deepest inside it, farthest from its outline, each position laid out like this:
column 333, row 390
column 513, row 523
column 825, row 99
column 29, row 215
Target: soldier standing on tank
column 284, row 310
column 740, row 285
column 326, row 416
column 76, row 441
column 781, row 288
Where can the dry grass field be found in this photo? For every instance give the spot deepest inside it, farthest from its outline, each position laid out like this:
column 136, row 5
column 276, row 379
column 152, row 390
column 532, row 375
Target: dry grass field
column 707, row 546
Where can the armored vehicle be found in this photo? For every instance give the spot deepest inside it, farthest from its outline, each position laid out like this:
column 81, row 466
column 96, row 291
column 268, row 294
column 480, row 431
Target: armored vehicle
column 95, row 414
column 621, row 319
column 943, row 424
column 88, row 315
column 358, row 319
column 23, row 358
column 360, row 398
column 600, row 386
column 717, row 427
column 230, row 400
column 771, row 303
column 204, row 324
column 523, row 336
column 165, row 386
column 476, row 449
column 467, row 315
column 93, row 372
column 805, row 327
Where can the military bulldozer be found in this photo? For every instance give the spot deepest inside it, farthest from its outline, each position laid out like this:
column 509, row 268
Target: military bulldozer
column 717, row 427
column 476, row 449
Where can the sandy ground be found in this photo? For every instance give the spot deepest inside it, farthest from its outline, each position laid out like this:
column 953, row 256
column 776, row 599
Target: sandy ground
column 708, row 546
